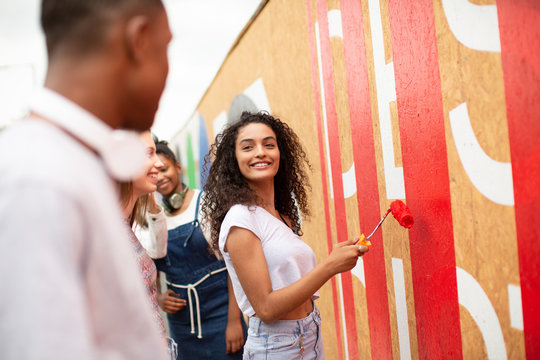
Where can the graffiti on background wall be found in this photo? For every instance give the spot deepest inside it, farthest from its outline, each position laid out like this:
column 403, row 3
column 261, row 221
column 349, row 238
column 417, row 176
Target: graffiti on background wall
column 432, row 102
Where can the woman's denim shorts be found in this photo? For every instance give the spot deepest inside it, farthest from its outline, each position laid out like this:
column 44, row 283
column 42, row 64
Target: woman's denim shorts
column 285, row 339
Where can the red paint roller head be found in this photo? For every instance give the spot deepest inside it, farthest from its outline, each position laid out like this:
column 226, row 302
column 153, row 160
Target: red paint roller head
column 402, row 213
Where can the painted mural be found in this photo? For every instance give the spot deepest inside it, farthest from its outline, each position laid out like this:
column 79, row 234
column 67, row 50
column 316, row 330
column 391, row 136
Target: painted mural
column 436, row 103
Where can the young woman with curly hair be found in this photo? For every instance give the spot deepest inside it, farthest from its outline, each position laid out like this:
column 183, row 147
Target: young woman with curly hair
column 255, row 191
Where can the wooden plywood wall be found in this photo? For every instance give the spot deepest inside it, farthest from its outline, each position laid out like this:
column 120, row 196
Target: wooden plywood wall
column 432, row 102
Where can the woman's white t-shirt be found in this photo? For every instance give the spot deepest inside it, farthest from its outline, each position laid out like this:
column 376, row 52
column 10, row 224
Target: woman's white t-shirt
column 288, row 258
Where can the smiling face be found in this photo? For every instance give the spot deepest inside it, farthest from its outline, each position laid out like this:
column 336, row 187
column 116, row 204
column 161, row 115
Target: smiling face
column 257, row 153
column 169, row 176
column 147, row 182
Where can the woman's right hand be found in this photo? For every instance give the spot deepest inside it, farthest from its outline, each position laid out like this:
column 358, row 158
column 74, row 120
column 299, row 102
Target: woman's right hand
column 345, row 255
column 170, row 302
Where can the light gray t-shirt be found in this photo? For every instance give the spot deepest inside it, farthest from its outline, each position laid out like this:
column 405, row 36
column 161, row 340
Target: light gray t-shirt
column 288, row 258
column 69, row 283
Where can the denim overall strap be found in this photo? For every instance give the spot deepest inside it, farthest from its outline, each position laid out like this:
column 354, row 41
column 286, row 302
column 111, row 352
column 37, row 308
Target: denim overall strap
column 194, row 225
column 195, row 222
column 197, row 208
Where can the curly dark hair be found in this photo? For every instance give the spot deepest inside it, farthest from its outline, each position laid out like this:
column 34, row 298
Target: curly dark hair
column 226, row 186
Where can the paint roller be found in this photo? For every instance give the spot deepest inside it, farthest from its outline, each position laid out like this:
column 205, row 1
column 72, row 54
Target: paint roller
column 401, row 213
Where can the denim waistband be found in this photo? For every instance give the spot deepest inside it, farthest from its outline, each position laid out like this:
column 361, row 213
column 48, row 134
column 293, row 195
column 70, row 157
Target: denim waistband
column 192, row 288
column 285, row 326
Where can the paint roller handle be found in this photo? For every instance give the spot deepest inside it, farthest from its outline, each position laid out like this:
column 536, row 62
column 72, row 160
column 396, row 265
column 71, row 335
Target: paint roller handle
column 362, row 241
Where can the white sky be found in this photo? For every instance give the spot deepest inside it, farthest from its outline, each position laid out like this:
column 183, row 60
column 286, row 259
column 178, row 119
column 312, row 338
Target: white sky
column 203, row 32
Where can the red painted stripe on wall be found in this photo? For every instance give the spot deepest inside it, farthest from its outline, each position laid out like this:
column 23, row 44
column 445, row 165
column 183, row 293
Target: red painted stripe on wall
column 425, row 167
column 317, row 104
column 335, row 156
column 367, row 190
column 520, row 43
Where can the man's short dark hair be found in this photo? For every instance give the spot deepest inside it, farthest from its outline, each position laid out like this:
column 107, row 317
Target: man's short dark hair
column 80, row 25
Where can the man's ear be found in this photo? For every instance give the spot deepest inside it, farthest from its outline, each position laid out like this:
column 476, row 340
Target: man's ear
column 137, row 37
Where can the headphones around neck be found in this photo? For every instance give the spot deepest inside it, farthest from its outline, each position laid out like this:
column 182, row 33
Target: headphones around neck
column 122, row 151
column 175, row 201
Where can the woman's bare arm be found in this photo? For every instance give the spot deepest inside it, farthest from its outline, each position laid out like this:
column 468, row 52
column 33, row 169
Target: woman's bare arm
column 248, row 259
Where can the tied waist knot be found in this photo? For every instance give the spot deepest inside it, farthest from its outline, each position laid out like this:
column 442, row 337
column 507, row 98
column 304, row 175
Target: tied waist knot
column 192, row 289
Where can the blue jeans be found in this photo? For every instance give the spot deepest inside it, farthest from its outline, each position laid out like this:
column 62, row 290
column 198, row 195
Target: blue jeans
column 285, row 339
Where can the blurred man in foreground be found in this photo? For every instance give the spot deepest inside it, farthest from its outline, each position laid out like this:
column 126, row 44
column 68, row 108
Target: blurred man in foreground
column 69, row 284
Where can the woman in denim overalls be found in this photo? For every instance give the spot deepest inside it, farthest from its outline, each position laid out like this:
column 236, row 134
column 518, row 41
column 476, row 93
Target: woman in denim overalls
column 197, row 301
